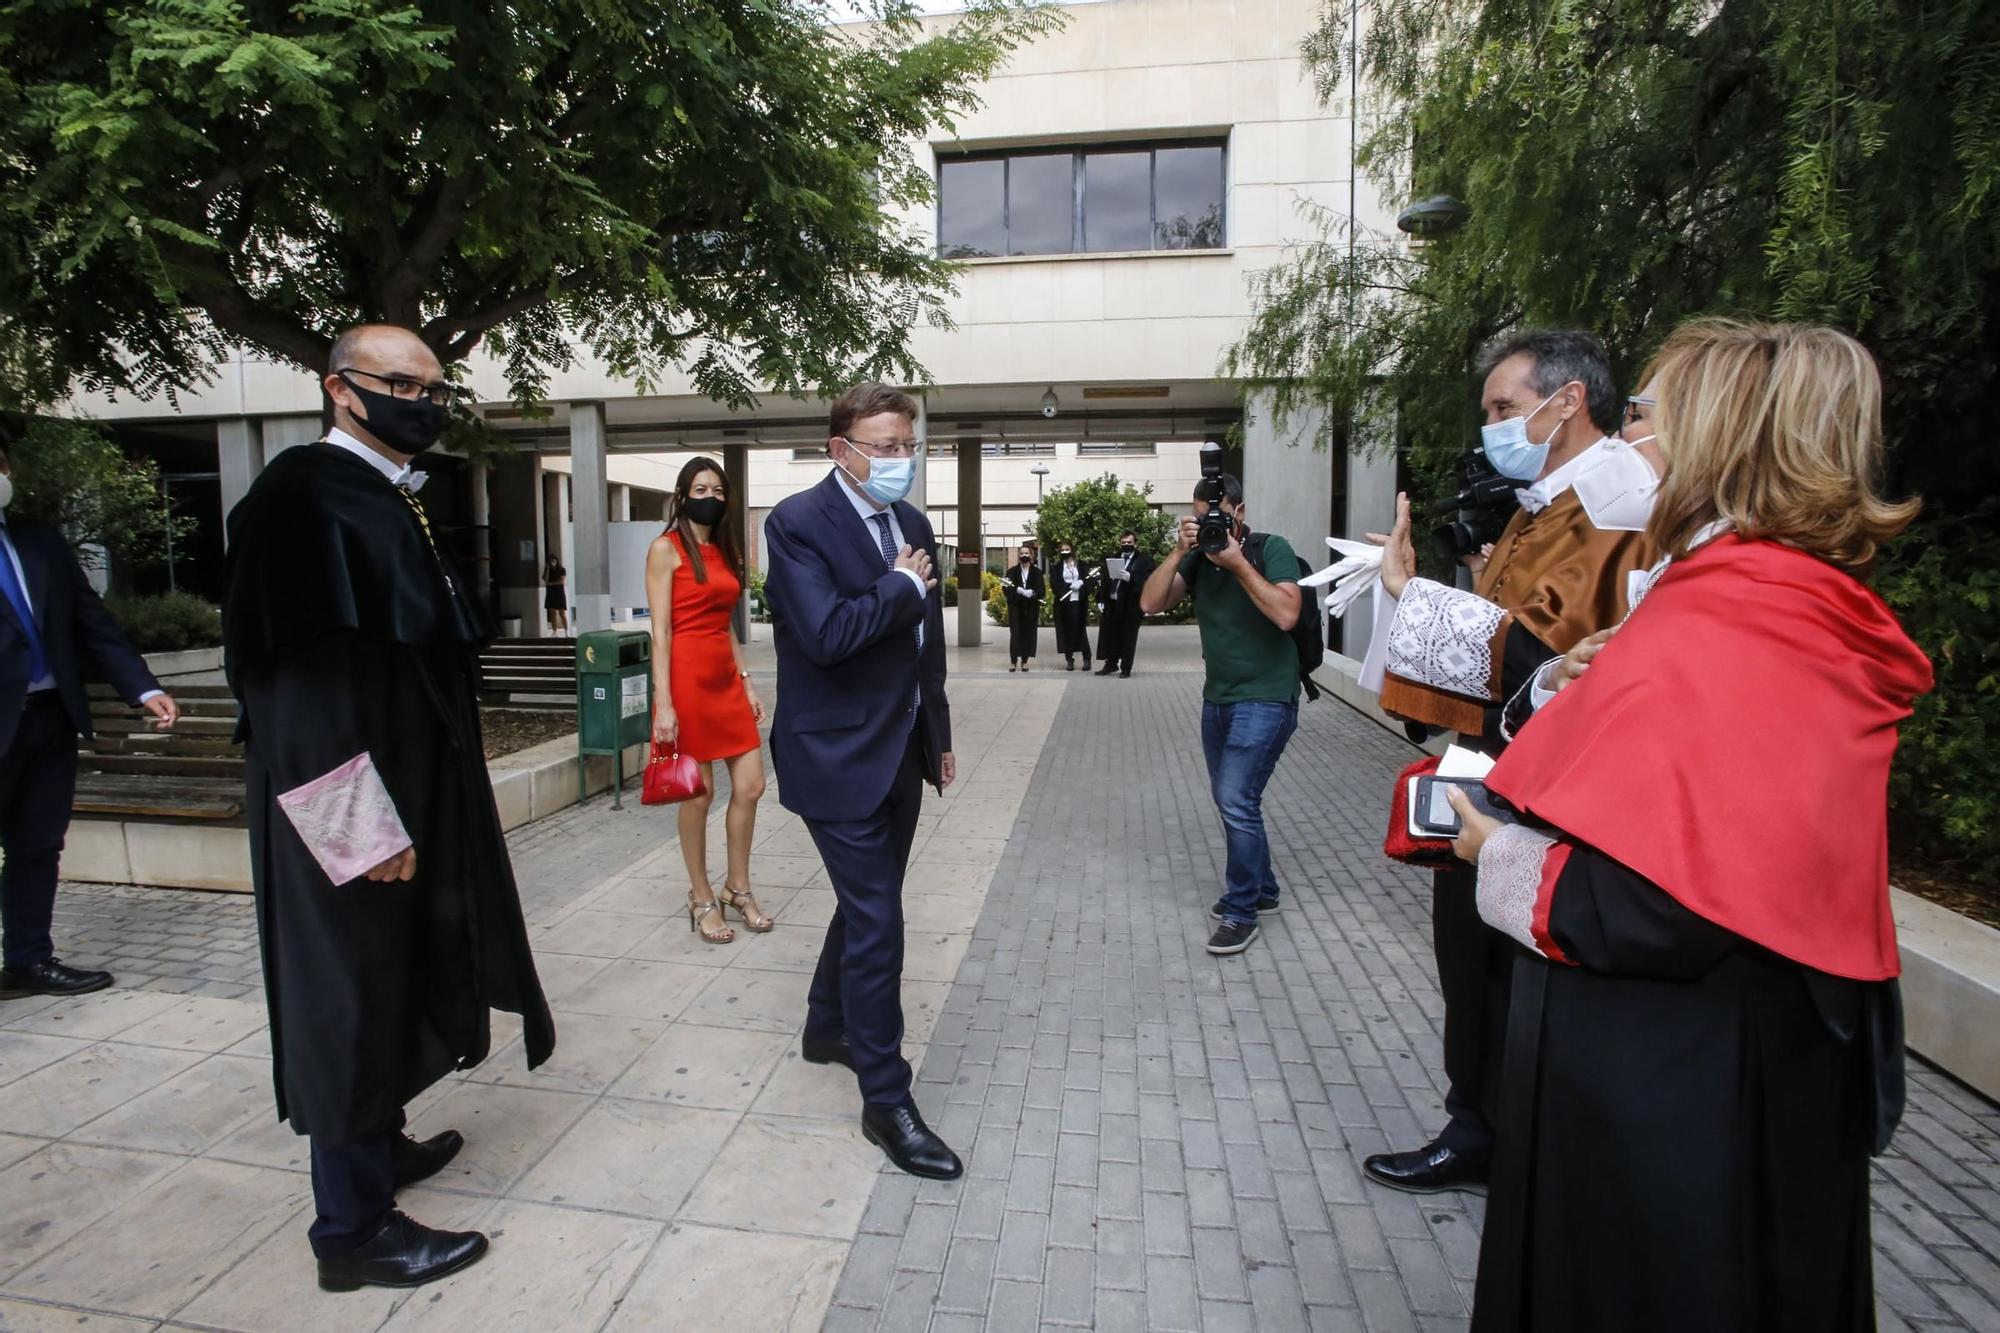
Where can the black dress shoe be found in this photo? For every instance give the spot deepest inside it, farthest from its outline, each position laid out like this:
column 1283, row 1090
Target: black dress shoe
column 402, row 1254
column 1429, row 1169
column 420, row 1161
column 901, row 1133
column 1125, row 675
column 1108, row 669
column 832, row 1050
column 49, row 978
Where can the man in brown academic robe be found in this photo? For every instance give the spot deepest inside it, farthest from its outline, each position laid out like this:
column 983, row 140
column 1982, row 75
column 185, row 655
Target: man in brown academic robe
column 1561, row 571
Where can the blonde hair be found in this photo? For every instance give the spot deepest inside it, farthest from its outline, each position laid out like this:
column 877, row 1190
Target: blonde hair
column 1777, row 429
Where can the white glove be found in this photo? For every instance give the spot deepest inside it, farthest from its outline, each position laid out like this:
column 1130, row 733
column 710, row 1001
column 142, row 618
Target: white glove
column 1358, row 570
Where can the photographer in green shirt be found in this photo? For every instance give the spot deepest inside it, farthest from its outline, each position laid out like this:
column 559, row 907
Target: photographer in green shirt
column 1246, row 600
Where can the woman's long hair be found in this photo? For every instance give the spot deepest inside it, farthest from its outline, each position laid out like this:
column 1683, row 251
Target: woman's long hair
column 1776, row 428
column 723, row 534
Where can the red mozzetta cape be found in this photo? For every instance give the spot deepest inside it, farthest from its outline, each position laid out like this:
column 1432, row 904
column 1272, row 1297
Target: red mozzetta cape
column 1732, row 745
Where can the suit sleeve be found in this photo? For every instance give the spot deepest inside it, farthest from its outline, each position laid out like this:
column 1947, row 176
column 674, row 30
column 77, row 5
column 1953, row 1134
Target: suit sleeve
column 306, row 722
column 118, row 663
column 832, row 628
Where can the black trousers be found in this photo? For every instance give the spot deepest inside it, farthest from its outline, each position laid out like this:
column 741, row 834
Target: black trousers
column 1475, row 966
column 1118, row 631
column 354, row 1187
column 37, row 786
column 858, row 987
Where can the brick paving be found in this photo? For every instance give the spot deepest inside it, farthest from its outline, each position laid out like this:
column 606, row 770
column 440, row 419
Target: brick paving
column 1157, row 1139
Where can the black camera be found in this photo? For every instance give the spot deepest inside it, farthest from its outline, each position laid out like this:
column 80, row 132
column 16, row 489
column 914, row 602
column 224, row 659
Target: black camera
column 1213, row 529
column 1479, row 513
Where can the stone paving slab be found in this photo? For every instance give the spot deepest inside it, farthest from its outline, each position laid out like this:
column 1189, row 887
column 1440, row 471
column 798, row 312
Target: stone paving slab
column 1154, row 1138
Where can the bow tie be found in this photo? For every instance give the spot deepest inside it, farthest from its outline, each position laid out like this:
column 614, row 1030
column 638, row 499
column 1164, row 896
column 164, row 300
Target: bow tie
column 409, row 480
column 1531, row 499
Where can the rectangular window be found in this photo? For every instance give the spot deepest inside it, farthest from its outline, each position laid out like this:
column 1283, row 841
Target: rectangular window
column 1116, row 449
column 1111, row 199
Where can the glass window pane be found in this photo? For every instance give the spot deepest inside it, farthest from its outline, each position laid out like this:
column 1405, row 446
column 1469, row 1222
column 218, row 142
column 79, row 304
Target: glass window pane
column 1039, row 199
column 1117, row 203
column 1187, row 186
column 971, row 214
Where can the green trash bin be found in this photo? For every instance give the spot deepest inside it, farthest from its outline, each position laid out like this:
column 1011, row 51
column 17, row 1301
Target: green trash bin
column 614, row 701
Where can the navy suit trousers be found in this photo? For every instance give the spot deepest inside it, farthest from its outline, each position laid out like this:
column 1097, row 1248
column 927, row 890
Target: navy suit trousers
column 37, row 782
column 858, row 988
column 354, row 1187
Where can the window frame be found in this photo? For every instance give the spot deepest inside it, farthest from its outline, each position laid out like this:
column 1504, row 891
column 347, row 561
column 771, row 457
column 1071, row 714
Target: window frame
column 1077, row 154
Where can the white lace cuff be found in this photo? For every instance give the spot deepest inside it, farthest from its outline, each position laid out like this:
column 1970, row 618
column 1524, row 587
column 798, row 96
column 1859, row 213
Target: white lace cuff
column 1517, row 874
column 1443, row 637
column 346, row 819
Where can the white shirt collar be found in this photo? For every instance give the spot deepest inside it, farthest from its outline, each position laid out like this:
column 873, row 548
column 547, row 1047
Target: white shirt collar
column 1549, row 489
column 403, row 476
column 862, row 504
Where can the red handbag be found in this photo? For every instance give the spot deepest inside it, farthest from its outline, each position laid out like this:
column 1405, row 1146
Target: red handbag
column 671, row 777
column 1399, row 845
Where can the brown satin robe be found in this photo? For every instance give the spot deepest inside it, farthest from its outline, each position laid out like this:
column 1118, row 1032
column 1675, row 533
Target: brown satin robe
column 1557, row 574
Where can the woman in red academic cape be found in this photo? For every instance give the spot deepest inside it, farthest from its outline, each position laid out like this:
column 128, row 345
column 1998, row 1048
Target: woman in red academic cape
column 1706, row 1042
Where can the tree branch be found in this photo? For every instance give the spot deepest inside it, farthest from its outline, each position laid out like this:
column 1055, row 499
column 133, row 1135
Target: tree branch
column 422, row 242
column 473, row 325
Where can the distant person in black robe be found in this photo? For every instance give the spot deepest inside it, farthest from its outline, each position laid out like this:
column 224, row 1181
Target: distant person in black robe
column 1071, row 587
column 386, row 906
column 1119, row 614
column 1026, row 589
column 1705, row 1036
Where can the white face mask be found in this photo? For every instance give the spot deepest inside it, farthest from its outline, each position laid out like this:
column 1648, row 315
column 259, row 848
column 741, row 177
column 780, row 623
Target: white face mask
column 6, row 490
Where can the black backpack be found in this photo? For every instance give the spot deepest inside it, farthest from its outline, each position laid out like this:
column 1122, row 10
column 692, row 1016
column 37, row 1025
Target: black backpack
column 1309, row 631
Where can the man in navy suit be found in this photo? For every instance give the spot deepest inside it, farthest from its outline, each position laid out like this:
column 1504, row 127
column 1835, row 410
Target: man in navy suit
column 51, row 623
column 862, row 724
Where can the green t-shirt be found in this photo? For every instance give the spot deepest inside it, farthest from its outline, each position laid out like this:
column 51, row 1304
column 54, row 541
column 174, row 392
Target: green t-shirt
column 1248, row 657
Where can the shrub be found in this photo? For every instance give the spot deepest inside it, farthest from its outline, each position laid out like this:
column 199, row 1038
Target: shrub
column 168, row 622
column 760, row 609
column 1943, row 579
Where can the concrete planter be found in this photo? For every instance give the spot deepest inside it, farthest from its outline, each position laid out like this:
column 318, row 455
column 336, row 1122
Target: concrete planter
column 528, row 785
column 189, row 662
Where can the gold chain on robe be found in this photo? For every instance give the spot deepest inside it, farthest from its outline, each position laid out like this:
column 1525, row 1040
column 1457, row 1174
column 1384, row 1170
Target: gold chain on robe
column 424, row 522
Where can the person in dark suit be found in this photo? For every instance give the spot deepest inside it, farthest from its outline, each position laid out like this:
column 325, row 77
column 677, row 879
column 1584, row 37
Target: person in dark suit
column 52, row 630
column 862, row 723
column 1119, row 612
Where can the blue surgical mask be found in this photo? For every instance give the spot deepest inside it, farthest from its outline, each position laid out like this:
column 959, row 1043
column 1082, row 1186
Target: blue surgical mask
column 889, row 479
column 1510, row 451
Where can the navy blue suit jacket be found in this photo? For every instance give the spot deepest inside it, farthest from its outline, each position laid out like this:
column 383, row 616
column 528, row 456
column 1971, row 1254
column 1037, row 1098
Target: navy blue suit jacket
column 848, row 664
column 78, row 634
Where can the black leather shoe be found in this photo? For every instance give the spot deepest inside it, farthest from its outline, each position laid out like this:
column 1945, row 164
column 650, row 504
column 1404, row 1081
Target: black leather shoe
column 826, row 1050
column 402, row 1254
column 1429, row 1169
column 1109, row 668
column 901, row 1133
column 49, row 978
column 1125, row 675
column 420, row 1161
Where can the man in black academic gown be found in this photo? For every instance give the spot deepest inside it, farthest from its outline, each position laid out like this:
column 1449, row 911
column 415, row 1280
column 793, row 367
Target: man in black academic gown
column 1026, row 589
column 1119, row 614
column 386, row 905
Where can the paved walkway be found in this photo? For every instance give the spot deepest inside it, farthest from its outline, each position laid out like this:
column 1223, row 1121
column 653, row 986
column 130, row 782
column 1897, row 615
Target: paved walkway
column 1156, row 1139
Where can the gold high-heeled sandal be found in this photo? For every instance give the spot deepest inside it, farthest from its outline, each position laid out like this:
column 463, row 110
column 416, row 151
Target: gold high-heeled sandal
column 722, row 934
column 735, row 898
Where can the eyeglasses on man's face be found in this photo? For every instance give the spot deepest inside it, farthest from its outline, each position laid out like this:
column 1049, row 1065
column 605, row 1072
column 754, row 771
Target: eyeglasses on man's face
column 886, row 448
column 402, row 386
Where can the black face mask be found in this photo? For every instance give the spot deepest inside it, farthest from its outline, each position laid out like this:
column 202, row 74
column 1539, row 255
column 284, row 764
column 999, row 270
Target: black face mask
column 407, row 425
column 1128, row 548
column 1068, row 554
column 707, row 511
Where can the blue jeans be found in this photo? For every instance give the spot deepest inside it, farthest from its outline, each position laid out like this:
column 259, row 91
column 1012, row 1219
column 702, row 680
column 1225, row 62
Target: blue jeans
column 1242, row 743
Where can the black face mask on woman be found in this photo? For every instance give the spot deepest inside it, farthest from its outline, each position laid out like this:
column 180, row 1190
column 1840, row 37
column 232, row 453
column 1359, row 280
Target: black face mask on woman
column 707, row 511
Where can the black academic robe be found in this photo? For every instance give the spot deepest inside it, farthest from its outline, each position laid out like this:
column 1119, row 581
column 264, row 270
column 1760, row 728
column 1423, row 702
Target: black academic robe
column 1684, row 1126
column 1027, row 591
column 347, row 632
column 1072, row 609
column 1120, row 613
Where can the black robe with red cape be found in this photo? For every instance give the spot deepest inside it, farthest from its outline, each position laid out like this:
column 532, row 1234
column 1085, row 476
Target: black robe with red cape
column 1705, row 1044
column 347, row 632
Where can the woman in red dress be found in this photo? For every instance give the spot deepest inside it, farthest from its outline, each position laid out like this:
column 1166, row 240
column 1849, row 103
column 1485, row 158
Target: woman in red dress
column 704, row 706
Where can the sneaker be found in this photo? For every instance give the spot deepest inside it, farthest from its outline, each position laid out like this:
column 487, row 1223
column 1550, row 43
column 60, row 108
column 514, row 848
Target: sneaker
column 1232, row 937
column 1215, row 912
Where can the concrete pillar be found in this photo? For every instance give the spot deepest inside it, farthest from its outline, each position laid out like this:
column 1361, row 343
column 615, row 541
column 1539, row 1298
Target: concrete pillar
column 1371, row 507
column 1288, row 478
column 482, row 529
column 239, row 455
column 621, row 503
column 920, row 489
column 736, row 481
column 282, row 433
column 590, row 563
column 971, row 543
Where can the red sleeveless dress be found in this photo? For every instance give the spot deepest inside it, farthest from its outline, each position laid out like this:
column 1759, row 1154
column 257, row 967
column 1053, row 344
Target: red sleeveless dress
column 708, row 696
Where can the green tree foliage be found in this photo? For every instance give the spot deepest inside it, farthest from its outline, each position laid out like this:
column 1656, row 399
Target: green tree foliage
column 168, row 622
column 1630, row 164
column 1092, row 514
column 70, row 475
column 711, row 185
